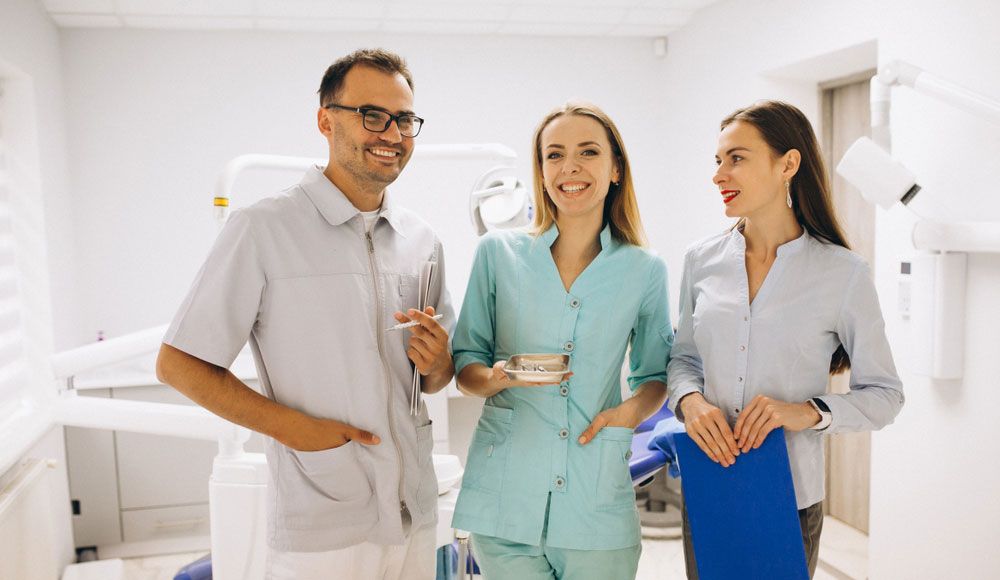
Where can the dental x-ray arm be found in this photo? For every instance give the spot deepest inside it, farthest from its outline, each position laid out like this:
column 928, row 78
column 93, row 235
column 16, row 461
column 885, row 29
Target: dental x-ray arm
column 884, row 181
column 939, row 268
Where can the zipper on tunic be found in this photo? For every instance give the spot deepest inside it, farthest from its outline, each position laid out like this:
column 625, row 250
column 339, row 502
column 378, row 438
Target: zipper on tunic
column 385, row 366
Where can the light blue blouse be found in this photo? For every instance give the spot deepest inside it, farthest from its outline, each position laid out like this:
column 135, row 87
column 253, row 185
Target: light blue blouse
column 815, row 297
column 525, row 445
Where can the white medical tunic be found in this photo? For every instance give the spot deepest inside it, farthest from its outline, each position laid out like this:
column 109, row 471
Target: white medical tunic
column 299, row 277
column 815, row 298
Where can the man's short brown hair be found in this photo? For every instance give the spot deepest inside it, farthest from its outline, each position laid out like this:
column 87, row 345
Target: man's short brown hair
column 377, row 58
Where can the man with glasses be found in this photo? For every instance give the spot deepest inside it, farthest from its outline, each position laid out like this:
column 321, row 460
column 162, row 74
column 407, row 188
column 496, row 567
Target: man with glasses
column 314, row 278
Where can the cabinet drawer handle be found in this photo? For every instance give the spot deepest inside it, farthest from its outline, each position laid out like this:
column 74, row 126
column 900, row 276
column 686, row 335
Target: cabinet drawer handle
column 180, row 523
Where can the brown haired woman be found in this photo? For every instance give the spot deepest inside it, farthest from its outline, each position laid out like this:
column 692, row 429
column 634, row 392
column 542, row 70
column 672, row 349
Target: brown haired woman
column 773, row 307
column 547, row 492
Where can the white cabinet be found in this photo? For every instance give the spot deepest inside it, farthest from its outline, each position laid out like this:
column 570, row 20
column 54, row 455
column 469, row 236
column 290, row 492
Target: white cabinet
column 137, row 494
column 156, row 471
column 93, row 484
column 143, row 525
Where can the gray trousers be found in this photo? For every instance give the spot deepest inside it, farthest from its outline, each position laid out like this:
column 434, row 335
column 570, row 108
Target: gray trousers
column 810, row 518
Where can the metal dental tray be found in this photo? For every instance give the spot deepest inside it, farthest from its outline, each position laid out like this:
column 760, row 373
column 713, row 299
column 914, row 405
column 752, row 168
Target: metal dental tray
column 537, row 368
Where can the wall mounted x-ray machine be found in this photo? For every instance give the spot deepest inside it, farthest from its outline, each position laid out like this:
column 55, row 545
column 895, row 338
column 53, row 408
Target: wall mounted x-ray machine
column 939, row 270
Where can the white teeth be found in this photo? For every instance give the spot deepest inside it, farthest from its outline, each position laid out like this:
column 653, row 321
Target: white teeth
column 573, row 188
column 384, row 152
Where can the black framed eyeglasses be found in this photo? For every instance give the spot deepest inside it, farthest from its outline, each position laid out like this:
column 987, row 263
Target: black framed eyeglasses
column 378, row 121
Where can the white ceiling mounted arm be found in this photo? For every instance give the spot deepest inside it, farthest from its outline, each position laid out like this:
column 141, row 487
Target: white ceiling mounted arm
column 226, row 180
column 237, row 165
column 499, row 200
column 939, row 269
column 868, row 166
column 905, row 74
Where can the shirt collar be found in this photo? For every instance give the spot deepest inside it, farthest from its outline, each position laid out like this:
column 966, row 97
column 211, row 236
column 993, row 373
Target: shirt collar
column 795, row 245
column 788, row 248
column 334, row 206
column 607, row 240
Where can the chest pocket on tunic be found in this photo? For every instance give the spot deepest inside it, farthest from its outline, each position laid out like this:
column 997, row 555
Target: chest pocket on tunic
column 489, row 450
column 614, row 483
column 409, row 292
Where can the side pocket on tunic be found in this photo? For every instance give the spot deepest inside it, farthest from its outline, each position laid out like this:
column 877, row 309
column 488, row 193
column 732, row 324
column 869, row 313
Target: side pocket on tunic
column 614, row 482
column 328, row 485
column 428, row 489
column 486, row 464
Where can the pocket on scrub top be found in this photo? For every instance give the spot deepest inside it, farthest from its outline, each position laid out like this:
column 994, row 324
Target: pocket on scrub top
column 408, row 295
column 330, row 484
column 614, row 481
column 488, row 450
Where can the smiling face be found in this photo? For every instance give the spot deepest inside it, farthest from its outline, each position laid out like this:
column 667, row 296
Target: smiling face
column 369, row 160
column 750, row 176
column 578, row 165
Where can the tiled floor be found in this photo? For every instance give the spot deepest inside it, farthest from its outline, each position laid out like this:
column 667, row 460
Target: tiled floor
column 664, row 560
column 661, row 559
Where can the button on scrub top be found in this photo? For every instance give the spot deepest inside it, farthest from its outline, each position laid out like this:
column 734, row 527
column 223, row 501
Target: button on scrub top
column 525, row 447
column 815, row 297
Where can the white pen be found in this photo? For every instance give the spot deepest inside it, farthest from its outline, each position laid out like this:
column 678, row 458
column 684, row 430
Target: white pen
column 403, row 325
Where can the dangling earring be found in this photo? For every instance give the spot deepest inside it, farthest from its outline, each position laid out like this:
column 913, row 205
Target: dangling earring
column 788, row 193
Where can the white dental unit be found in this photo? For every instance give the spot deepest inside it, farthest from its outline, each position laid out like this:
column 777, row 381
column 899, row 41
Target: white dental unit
column 434, row 185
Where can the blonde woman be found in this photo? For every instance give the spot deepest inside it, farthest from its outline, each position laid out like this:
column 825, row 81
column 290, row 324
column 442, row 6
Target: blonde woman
column 547, row 492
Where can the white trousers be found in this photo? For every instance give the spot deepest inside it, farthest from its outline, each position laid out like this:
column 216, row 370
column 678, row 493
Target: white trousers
column 416, row 559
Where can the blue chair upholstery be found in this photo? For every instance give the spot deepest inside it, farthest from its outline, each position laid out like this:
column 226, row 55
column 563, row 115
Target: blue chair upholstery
column 653, row 447
column 645, row 462
column 648, row 424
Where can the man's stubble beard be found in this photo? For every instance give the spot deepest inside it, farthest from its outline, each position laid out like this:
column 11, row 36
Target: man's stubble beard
column 357, row 166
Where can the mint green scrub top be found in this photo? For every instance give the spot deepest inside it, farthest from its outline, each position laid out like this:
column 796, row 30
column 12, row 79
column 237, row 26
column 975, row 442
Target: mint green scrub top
column 525, row 447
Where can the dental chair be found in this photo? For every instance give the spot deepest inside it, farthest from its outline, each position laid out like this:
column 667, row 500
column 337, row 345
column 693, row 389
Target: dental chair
column 646, row 459
column 655, row 474
column 645, row 463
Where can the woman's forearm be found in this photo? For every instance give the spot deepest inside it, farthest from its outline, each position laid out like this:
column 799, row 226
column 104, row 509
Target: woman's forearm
column 647, row 400
column 478, row 380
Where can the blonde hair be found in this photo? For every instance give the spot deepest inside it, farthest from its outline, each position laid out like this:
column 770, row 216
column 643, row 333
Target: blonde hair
column 621, row 211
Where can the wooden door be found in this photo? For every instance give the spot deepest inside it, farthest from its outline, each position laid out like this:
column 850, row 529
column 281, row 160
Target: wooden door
column 846, row 117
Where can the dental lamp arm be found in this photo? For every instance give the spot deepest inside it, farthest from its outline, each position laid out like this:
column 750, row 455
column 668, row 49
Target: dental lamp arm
column 226, row 181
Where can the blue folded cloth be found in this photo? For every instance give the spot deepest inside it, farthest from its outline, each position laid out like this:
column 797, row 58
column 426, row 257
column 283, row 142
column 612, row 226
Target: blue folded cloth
column 662, row 438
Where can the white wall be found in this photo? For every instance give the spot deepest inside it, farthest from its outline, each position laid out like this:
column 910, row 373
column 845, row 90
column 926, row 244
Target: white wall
column 155, row 115
column 34, row 124
column 934, row 506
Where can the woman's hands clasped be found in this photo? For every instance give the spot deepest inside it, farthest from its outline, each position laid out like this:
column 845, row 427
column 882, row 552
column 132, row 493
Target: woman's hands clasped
column 765, row 414
column 707, row 426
